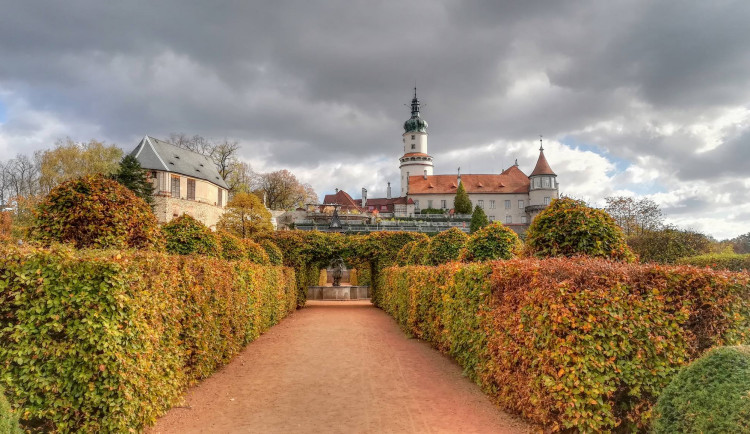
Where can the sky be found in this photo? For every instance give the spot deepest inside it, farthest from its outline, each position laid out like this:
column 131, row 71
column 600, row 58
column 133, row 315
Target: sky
column 636, row 98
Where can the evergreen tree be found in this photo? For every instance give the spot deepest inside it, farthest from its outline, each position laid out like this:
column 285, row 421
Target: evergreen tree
column 133, row 176
column 462, row 204
column 478, row 220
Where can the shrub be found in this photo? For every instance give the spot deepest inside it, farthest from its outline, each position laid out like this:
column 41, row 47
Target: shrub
column 668, row 245
column 478, row 219
column 8, row 418
column 404, row 255
column 491, row 242
column 568, row 228
column 255, row 252
column 712, row 394
column 187, row 236
column 232, row 247
column 95, row 212
column 275, row 257
column 726, row 261
column 583, row 344
column 105, row 341
column 446, row 246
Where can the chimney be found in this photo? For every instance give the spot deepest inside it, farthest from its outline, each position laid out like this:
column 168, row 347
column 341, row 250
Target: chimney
column 388, row 191
column 364, row 197
column 337, row 190
column 425, row 174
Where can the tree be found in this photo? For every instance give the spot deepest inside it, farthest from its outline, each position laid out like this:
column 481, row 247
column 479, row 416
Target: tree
column 634, row 216
column 134, row 177
column 245, row 216
column 490, row 243
column 282, row 190
column 95, row 212
column 69, row 160
column 741, row 244
column 242, row 178
column 478, row 219
column 462, row 203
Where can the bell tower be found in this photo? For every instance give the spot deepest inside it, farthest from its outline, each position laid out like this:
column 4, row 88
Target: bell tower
column 415, row 161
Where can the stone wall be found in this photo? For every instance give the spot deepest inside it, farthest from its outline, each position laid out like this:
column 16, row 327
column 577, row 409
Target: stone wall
column 166, row 208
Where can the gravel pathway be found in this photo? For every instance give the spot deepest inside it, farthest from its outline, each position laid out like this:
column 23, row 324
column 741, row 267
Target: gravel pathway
column 338, row 367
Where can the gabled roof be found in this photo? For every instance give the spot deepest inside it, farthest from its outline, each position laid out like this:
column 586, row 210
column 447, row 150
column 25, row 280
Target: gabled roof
column 542, row 167
column 379, row 201
column 512, row 180
column 341, row 198
column 155, row 154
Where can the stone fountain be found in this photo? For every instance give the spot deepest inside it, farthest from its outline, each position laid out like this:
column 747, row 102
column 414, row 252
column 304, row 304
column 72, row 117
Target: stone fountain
column 338, row 274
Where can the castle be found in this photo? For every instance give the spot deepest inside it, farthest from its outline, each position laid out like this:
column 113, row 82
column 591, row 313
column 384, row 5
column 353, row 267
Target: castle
column 511, row 196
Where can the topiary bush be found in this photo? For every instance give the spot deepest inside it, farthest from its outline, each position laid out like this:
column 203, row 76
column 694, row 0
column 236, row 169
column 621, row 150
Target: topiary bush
column 568, row 227
column 491, row 242
column 8, row 417
column 446, row 246
column 255, row 252
column 275, row 257
column 712, row 394
column 478, row 219
column 232, row 247
column 95, row 212
column 187, row 236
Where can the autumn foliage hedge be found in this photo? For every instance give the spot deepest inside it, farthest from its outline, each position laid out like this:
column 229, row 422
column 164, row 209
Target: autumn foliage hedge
column 580, row 343
column 106, row 341
column 720, row 261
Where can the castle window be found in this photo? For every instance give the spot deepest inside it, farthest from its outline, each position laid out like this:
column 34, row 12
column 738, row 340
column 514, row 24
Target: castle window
column 508, row 219
column 546, row 201
column 520, row 204
column 480, row 203
column 545, row 182
column 176, row 187
column 492, row 218
column 218, row 201
column 191, row 189
column 507, row 204
column 492, row 204
column 412, row 136
column 416, row 204
column 523, row 219
column 443, row 204
column 413, row 146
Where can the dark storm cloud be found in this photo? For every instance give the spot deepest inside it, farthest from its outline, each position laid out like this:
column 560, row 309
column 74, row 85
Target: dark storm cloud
column 303, row 81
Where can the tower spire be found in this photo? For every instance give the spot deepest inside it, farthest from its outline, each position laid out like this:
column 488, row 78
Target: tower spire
column 415, row 104
column 541, row 147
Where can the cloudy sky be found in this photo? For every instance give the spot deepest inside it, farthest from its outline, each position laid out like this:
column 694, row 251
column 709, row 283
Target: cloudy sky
column 645, row 98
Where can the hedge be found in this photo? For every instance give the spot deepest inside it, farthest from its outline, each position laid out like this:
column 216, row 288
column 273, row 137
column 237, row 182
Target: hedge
column 582, row 343
column 106, row 341
column 8, row 417
column 711, row 394
column 726, row 261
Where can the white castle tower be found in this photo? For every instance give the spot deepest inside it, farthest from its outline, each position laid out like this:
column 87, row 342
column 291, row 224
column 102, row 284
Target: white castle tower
column 543, row 184
column 415, row 161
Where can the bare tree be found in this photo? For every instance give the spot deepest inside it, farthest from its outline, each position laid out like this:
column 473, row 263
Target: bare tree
column 223, row 154
column 634, row 216
column 241, row 178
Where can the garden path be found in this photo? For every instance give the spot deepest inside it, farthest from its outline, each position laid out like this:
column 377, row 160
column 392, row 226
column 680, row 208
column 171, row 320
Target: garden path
column 338, row 367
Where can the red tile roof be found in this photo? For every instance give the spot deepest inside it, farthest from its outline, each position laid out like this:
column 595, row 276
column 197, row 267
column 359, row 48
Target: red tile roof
column 415, row 154
column 512, row 180
column 341, row 198
column 542, row 167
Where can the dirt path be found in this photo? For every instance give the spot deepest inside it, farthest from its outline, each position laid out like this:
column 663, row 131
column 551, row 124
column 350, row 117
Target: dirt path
column 341, row 367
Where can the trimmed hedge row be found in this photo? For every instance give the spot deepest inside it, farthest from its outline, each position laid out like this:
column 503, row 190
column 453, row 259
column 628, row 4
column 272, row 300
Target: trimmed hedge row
column 720, row 261
column 570, row 343
column 105, row 341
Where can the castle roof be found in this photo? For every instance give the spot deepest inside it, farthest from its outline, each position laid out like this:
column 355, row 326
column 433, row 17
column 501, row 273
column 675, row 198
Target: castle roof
column 542, row 167
column 341, row 198
column 155, row 154
column 511, row 180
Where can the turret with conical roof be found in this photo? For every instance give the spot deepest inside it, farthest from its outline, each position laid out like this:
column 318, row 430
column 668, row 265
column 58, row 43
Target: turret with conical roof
column 416, row 160
column 543, row 183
